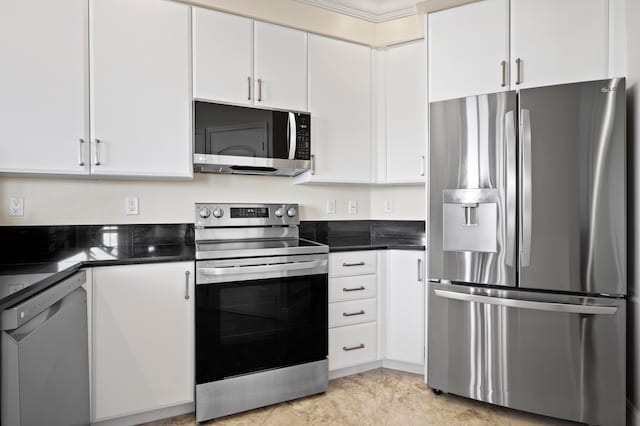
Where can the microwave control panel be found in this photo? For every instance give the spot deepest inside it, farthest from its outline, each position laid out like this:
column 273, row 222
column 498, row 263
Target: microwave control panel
column 303, row 139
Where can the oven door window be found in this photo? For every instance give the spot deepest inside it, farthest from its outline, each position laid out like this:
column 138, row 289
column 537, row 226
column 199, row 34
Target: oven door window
column 249, row 326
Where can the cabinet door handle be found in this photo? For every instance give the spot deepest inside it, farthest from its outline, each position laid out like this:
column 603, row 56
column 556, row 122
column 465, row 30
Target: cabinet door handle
column 259, row 90
column 249, row 88
column 518, row 71
column 353, row 289
column 422, row 165
column 352, row 314
column 419, row 270
column 186, row 284
column 504, row 73
column 347, row 265
column 353, row 348
column 97, row 153
column 81, row 152
column 313, row 164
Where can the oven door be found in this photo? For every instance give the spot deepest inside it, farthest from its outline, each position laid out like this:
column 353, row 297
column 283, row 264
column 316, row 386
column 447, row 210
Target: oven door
column 260, row 313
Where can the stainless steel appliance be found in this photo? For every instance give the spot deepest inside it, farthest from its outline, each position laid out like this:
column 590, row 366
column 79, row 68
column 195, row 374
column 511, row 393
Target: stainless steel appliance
column 261, row 308
column 235, row 139
column 527, row 250
column 45, row 362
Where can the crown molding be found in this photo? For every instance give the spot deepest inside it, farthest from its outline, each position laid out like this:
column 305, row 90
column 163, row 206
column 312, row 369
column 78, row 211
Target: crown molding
column 361, row 14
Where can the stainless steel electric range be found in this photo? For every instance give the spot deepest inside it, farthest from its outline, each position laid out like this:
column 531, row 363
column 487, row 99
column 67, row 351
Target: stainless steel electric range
column 261, row 308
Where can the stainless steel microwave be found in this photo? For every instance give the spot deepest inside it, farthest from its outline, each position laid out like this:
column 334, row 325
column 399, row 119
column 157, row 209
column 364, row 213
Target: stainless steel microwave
column 236, row 139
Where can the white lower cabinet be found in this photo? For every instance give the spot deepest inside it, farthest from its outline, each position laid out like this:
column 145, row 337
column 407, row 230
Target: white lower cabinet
column 352, row 345
column 405, row 306
column 142, row 338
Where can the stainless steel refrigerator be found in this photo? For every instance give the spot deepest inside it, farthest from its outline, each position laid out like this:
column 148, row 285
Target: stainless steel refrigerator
column 527, row 243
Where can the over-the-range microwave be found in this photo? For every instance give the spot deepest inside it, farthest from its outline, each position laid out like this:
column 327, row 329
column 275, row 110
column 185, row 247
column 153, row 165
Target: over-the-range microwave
column 236, row 139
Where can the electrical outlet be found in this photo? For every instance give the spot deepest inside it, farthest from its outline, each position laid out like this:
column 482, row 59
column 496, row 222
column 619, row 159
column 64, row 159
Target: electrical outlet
column 131, row 206
column 16, row 206
column 353, row 206
column 331, row 206
column 388, row 206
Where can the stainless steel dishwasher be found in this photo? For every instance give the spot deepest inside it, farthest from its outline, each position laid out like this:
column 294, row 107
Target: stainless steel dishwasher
column 45, row 363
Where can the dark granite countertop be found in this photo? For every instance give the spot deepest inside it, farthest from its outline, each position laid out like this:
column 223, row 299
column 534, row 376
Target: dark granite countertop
column 36, row 257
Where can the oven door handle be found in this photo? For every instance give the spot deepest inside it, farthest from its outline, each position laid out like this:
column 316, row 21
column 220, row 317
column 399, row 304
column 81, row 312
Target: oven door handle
column 276, row 267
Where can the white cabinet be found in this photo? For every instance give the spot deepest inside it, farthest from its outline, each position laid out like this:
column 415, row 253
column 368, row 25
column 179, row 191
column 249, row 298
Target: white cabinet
column 143, row 344
column 340, row 105
column 240, row 61
column 43, row 87
column 468, row 48
column 405, row 307
column 140, row 88
column 496, row 45
column 558, row 41
column 222, row 57
column 405, row 113
column 280, row 57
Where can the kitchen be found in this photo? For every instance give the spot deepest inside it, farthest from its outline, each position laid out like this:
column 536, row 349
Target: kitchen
column 376, row 180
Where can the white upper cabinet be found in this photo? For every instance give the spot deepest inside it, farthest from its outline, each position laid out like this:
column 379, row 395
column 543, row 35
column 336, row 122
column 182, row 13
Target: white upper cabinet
column 143, row 338
column 340, row 106
column 280, row 67
column 405, row 113
column 240, row 61
column 140, row 88
column 556, row 42
column 222, row 57
column 495, row 45
column 44, row 75
column 469, row 49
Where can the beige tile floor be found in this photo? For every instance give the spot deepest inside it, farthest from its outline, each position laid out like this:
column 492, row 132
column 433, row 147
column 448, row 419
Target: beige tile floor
column 378, row 397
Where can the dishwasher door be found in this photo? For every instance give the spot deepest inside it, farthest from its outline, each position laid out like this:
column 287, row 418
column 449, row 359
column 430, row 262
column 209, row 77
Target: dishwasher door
column 45, row 367
column 558, row 355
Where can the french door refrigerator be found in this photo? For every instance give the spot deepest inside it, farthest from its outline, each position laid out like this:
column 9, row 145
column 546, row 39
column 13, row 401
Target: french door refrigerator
column 527, row 250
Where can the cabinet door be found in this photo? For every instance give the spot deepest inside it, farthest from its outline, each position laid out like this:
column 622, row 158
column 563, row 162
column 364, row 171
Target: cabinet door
column 280, row 67
column 142, row 338
column 405, row 317
column 140, row 88
column 340, row 106
column 406, row 74
column 558, row 41
column 43, row 87
column 222, row 57
column 467, row 45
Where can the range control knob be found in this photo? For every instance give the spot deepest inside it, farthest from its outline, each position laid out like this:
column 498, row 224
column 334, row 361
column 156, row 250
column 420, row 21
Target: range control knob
column 291, row 212
column 205, row 212
column 279, row 212
column 218, row 212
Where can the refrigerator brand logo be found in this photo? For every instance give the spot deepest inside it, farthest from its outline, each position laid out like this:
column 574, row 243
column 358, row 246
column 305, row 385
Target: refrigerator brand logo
column 608, row 89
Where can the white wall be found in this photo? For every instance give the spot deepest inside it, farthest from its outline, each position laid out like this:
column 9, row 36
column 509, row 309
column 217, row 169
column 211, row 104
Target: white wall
column 633, row 145
column 61, row 201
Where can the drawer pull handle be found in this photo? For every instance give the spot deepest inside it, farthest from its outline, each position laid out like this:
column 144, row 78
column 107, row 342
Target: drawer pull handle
column 346, row 265
column 353, row 289
column 346, row 314
column 353, row 348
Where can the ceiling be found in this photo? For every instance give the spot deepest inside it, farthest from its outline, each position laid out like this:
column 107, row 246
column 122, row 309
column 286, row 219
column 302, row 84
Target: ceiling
column 370, row 10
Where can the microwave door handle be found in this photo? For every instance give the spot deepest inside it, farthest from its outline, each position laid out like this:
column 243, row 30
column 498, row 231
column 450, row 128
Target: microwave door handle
column 292, row 135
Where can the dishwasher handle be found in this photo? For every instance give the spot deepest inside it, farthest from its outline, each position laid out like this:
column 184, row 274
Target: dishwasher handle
column 15, row 316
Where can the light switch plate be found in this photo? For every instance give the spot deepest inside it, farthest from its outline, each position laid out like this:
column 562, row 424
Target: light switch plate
column 388, row 206
column 353, row 206
column 131, row 206
column 16, row 206
column 331, row 206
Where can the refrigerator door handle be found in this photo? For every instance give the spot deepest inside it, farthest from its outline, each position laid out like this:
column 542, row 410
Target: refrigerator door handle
column 510, row 130
column 529, row 304
column 525, row 207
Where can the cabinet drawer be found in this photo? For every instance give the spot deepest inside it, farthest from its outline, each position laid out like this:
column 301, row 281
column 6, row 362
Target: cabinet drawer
column 352, row 345
column 352, row 312
column 352, row 288
column 352, row 263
